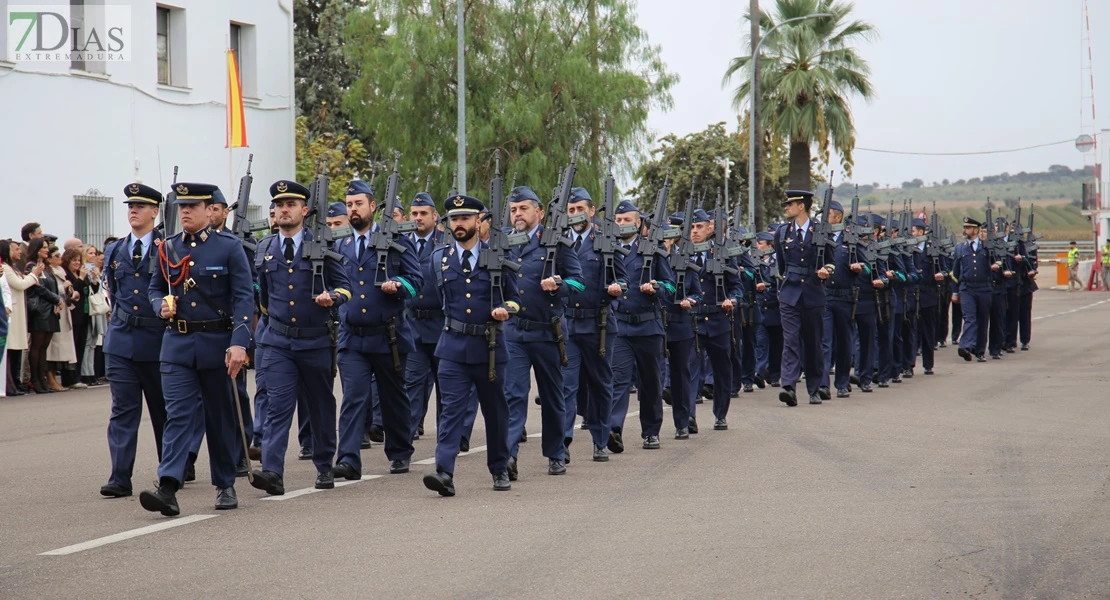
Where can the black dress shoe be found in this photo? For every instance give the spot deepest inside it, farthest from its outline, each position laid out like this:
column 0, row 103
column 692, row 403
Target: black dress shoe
column 537, row 401
column 996, row 357
column 874, row 379
column 748, row 388
column 616, row 444
column 440, row 482
column 325, row 481
column 420, row 429
column 523, row 436
column 884, row 384
column 651, row 442
column 399, row 466
column 501, row 482
column 788, row 397
column 734, row 395
column 942, row 344
column 190, row 472
column 511, row 469
column 464, row 445
column 269, row 482
column 853, row 379
column 1025, row 347
column 760, row 382
column 556, row 466
column 377, row 434
column 815, row 399
column 907, row 374
column 42, row 390
column 706, row 391
column 582, row 426
column 306, row 453
column 1010, row 350
column 113, row 490
column 843, row 393
column 366, row 442
column 980, row 358
column 254, row 452
column 162, row 500
column 226, row 498
column 667, row 396
column 566, row 454
column 928, row 371
column 346, row 471
column 775, row 383
column 243, row 468
column 964, row 354
column 600, row 455
column 824, row 392
column 720, row 425
column 699, row 400
column 896, row 379
column 693, row 427
column 682, row 434
column 865, row 388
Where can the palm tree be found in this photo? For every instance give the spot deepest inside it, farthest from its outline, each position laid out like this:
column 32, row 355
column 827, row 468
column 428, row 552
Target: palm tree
column 807, row 72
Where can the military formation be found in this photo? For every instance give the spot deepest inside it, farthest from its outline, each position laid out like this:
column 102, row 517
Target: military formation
column 594, row 300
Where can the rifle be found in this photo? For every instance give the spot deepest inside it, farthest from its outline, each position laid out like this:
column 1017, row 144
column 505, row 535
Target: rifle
column 492, row 259
column 242, row 228
column 822, row 233
column 385, row 237
column 557, row 221
column 653, row 245
column 169, row 215
column 1030, row 237
column 718, row 265
column 319, row 248
column 608, row 245
column 685, row 249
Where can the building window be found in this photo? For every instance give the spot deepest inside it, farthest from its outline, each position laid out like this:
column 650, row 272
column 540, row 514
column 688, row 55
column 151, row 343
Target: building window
column 170, row 38
column 242, row 41
column 163, row 27
column 92, row 217
column 86, row 23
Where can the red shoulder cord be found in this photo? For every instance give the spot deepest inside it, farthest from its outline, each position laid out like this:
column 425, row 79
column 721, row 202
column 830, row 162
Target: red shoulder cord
column 183, row 264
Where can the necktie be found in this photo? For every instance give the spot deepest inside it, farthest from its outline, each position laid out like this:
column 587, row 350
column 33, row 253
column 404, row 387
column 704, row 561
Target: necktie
column 136, row 253
column 420, row 247
column 701, row 259
column 627, row 246
column 466, row 256
column 361, row 246
column 578, row 243
column 289, row 249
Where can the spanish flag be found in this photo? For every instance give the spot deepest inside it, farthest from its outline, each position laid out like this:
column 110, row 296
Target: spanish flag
column 236, row 123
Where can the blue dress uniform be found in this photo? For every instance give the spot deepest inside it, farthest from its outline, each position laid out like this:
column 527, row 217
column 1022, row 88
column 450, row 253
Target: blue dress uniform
column 971, row 270
column 132, row 345
column 530, row 338
column 209, row 277
column 771, row 325
column 884, row 316
column 745, row 324
column 425, row 316
column 463, row 353
column 1028, row 285
column 368, row 323
column 896, row 265
column 681, row 328
column 910, row 292
column 996, row 333
column 928, row 301
column 848, row 292
column 298, row 346
column 1013, row 283
column 639, row 344
column 801, row 304
column 586, row 366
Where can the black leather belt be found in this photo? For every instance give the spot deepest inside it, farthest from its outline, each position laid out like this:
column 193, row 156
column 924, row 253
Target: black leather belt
column 297, row 332
column 838, row 293
column 137, row 321
column 431, row 313
column 530, row 325
column 366, row 331
column 635, row 318
column 213, row 326
column 707, row 310
column 770, row 304
column 803, row 271
column 467, row 328
column 583, row 313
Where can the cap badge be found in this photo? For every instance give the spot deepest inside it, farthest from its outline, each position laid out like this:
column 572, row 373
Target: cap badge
column 182, row 190
column 458, row 201
column 282, row 187
column 133, row 188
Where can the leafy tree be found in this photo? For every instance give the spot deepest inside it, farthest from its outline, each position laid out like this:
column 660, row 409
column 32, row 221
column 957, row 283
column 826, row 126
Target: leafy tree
column 911, row 185
column 945, row 182
column 321, row 71
column 340, row 151
column 808, row 70
column 541, row 77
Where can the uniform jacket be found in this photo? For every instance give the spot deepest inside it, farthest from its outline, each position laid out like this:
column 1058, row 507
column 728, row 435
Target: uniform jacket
column 583, row 309
column 971, row 269
column 128, row 287
column 797, row 257
column 425, row 314
column 538, row 307
column 638, row 313
column 712, row 320
column 369, row 307
column 466, row 298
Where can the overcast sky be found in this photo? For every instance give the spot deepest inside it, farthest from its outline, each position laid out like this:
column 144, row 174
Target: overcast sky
column 949, row 75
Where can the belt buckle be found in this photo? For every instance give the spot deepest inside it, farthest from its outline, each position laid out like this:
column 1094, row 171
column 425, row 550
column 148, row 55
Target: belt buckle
column 182, row 326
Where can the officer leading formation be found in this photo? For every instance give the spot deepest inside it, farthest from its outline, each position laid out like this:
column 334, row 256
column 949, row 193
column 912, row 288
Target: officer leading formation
column 597, row 300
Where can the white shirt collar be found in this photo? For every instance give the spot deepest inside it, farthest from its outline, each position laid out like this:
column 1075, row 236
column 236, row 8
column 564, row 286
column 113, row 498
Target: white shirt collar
column 474, row 251
column 804, row 227
column 146, row 241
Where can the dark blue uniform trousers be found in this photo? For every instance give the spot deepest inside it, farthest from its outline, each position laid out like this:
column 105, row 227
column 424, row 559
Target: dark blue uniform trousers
column 997, row 332
column 840, row 314
column 975, row 306
column 717, row 347
column 459, row 383
column 1025, row 317
column 682, row 396
column 262, row 401
column 909, row 340
column 184, row 407
column 587, row 371
column 802, row 330
column 420, row 377
column 926, row 335
column 130, row 381
column 885, row 345
column 957, row 311
column 639, row 354
column 549, row 378
column 744, row 372
column 355, row 369
column 866, row 330
column 1012, row 304
column 286, row 372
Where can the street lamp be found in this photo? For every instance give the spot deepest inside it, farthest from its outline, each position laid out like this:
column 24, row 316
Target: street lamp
column 754, row 91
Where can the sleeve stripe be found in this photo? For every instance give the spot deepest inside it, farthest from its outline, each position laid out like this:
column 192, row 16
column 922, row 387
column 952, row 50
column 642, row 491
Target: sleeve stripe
column 574, row 283
column 345, row 293
column 408, row 286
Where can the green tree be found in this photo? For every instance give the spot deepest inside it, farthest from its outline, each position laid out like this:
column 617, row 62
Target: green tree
column 541, row 76
column 808, row 70
column 322, row 73
column 341, row 152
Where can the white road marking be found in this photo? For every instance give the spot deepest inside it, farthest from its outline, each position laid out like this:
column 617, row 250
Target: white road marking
column 1074, row 310
column 126, row 535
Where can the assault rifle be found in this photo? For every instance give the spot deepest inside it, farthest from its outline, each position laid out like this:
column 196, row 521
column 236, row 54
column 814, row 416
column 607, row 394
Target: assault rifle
column 608, row 244
column 169, row 214
column 822, row 233
column 652, row 245
column 319, row 247
column 1030, row 237
column 685, row 249
column 492, row 259
column 557, row 221
column 385, row 237
column 243, row 226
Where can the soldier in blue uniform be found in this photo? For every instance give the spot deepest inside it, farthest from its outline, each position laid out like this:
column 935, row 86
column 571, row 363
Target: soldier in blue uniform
column 910, row 293
column 1000, row 278
column 202, row 285
column 134, row 338
column 375, row 340
column 897, row 278
column 843, row 290
column 801, row 299
column 971, row 270
column 1027, row 272
column 472, row 314
column 531, row 334
column 767, row 294
column 884, row 309
column 640, row 336
column 297, row 337
column 929, row 299
column 588, row 366
column 1013, row 283
column 337, row 215
column 681, row 333
column 746, row 324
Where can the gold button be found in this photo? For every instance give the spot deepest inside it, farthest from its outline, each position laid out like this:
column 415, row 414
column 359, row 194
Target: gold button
column 421, row 296
column 193, row 304
column 520, row 260
column 364, row 310
column 136, row 274
column 294, row 319
column 468, row 281
column 468, row 311
column 135, row 307
column 362, row 283
column 360, row 268
column 624, row 297
column 136, row 291
column 213, row 276
column 191, row 263
column 468, row 295
column 290, row 303
column 803, row 260
column 519, row 276
column 193, row 245
column 577, row 305
column 362, row 296
column 290, row 287
column 521, row 291
column 803, row 280
column 447, row 329
column 290, row 270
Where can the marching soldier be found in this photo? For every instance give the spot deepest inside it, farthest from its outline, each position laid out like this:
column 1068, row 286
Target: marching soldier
column 971, row 270
column 996, row 333
column 881, row 281
column 337, row 215
column 930, row 298
column 767, row 292
column 1013, row 283
column 746, row 324
column 1027, row 272
column 375, row 340
column 202, row 285
column 425, row 315
column 842, row 290
column 680, row 336
column 464, row 345
column 897, row 276
column 909, row 323
column 134, row 338
column 532, row 336
column 297, row 337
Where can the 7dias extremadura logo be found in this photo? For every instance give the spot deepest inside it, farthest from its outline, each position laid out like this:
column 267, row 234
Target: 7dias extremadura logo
column 65, row 33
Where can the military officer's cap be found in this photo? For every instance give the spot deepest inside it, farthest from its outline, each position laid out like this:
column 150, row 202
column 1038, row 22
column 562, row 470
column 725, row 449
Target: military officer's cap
column 460, row 204
column 765, row 236
column 677, row 218
column 834, row 205
column 920, row 224
column 272, row 205
column 522, row 193
column 863, row 220
column 578, row 194
column 359, row 186
column 284, row 188
column 137, row 193
column 969, row 222
column 194, row 193
column 805, row 196
column 218, row 197
column 422, row 199
column 700, row 216
column 894, row 226
column 626, row 206
column 336, row 209
column 878, row 220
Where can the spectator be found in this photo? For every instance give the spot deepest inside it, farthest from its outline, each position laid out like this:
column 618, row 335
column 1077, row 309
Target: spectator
column 92, row 361
column 5, row 317
column 30, row 231
column 11, row 255
column 61, row 355
column 74, row 244
column 1073, row 268
column 43, row 307
column 84, row 280
column 1106, row 266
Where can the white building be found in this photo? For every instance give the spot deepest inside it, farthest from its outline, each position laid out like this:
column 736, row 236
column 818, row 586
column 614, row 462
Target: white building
column 74, row 132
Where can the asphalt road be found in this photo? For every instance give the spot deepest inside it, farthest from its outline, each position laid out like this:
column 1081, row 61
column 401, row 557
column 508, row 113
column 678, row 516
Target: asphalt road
column 985, row 481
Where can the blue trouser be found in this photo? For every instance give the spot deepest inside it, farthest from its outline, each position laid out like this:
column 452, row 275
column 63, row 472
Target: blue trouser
column 717, row 347
column 262, row 401
column 1012, row 304
column 909, row 341
column 459, row 382
column 884, row 346
column 897, row 345
column 926, row 332
column 1025, row 316
column 957, row 311
column 762, row 350
column 773, row 368
column 997, row 332
column 355, row 369
column 587, row 369
column 865, row 331
column 374, row 415
column 130, row 381
column 184, row 406
column 549, row 378
column 802, row 332
column 827, row 333
column 697, row 376
column 747, row 354
column 287, row 372
column 682, row 396
column 975, row 306
column 839, row 314
column 420, row 377
column 639, row 354
column 736, row 352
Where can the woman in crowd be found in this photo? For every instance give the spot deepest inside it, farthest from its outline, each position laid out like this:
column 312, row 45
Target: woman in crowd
column 92, row 361
column 84, row 280
column 5, row 318
column 43, row 304
column 61, row 354
column 11, row 254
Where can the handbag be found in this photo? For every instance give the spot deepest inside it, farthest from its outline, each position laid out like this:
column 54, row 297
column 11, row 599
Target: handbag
column 98, row 302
